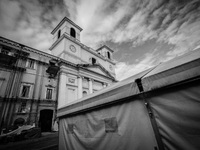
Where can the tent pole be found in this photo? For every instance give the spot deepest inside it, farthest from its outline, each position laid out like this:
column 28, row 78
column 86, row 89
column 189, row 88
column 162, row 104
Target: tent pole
column 151, row 116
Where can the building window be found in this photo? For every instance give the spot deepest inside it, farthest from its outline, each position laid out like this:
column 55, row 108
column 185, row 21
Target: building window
column 73, row 32
column 84, row 93
column 108, row 53
column 22, row 107
column 94, row 61
column 25, row 91
column 49, row 93
column 30, row 64
column 59, row 33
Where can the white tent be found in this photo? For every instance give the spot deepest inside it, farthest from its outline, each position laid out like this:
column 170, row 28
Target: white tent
column 155, row 109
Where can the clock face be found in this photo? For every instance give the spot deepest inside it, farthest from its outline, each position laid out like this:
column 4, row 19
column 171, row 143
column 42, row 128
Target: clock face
column 72, row 48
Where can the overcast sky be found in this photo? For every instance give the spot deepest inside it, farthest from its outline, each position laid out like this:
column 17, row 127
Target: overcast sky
column 142, row 33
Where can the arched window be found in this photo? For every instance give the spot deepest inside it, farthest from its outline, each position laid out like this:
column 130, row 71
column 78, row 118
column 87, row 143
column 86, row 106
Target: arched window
column 59, row 32
column 108, row 53
column 73, row 32
column 84, row 93
column 94, row 61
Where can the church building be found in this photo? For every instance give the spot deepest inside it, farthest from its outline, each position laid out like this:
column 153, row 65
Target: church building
column 33, row 84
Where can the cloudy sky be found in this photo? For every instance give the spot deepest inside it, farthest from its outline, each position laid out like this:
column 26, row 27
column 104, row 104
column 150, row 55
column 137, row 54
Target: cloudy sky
column 143, row 33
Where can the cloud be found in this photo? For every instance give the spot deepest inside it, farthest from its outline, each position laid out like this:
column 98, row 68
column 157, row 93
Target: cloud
column 30, row 22
column 125, row 70
column 173, row 22
column 9, row 18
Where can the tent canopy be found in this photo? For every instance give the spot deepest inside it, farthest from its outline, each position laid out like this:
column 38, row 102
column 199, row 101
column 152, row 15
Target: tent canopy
column 175, row 71
column 156, row 109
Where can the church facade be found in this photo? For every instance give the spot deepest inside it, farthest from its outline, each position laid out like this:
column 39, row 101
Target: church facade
column 33, row 84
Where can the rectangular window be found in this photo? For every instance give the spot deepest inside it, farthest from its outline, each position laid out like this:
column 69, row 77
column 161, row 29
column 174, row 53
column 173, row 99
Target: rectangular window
column 22, row 107
column 25, row 91
column 30, row 64
column 49, row 93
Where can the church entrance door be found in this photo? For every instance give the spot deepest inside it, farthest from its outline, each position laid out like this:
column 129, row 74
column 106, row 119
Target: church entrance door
column 45, row 121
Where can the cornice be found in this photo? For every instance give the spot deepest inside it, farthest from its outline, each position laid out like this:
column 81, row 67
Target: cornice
column 78, row 68
column 29, row 49
column 96, row 54
column 9, row 42
column 88, row 49
column 105, row 47
column 72, row 55
column 62, row 61
column 87, row 70
column 40, row 52
column 62, row 21
column 96, row 65
column 95, row 76
column 71, row 85
column 25, row 48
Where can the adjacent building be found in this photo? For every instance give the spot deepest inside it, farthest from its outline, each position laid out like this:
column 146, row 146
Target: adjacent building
column 33, row 84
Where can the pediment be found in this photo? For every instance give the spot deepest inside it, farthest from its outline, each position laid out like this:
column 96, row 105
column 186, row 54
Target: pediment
column 97, row 70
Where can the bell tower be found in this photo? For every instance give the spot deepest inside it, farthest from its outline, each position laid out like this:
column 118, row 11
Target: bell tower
column 105, row 51
column 66, row 40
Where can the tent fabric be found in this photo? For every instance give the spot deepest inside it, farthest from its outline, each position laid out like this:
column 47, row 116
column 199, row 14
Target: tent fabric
column 162, row 75
column 176, row 63
column 176, row 111
column 172, row 76
column 116, row 91
column 120, row 127
column 117, row 117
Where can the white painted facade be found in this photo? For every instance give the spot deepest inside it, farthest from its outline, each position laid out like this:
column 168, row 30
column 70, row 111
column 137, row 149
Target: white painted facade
column 27, row 89
column 76, row 82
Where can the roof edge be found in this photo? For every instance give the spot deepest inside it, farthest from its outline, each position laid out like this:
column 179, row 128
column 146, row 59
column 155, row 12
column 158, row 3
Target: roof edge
column 105, row 47
column 62, row 21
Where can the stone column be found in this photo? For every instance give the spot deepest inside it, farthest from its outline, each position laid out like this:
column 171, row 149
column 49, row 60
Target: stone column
column 90, row 86
column 80, row 87
column 62, row 90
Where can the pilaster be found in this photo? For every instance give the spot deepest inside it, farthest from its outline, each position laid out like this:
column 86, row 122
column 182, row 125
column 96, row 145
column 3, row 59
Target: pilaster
column 80, row 87
column 62, row 90
column 91, row 85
